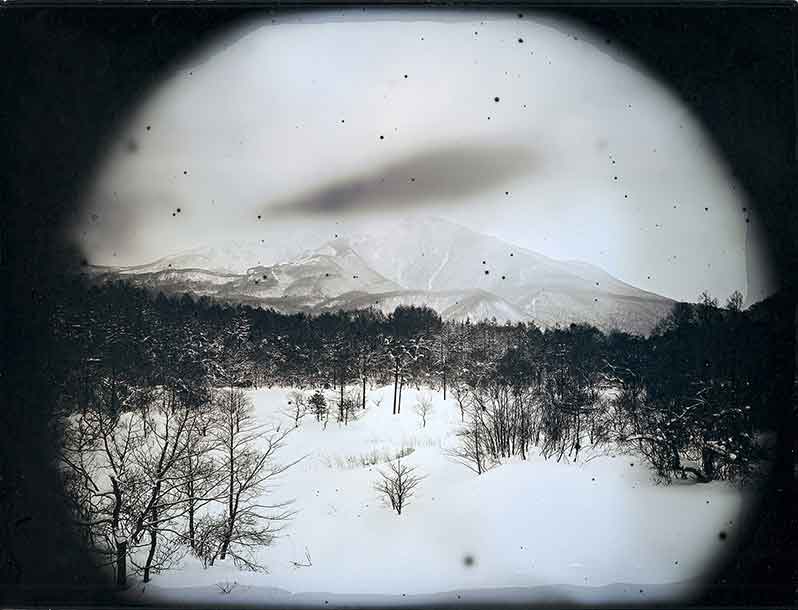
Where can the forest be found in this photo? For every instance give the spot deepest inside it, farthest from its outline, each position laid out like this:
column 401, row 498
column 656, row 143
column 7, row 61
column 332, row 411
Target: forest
column 162, row 455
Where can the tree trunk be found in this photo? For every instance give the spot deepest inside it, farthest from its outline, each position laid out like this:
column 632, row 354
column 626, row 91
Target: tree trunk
column 153, row 543
column 121, row 563
column 341, row 404
column 708, row 463
column 191, row 533
column 231, row 483
column 395, row 384
column 476, row 449
column 228, row 536
column 399, row 404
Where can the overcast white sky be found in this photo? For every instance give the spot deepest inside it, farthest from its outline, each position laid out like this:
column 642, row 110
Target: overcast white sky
column 583, row 157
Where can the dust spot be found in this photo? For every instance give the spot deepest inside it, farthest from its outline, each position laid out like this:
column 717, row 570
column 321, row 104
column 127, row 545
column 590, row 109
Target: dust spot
column 468, row 561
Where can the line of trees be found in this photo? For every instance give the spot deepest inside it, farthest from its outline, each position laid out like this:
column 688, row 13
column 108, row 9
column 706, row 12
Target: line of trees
column 161, row 452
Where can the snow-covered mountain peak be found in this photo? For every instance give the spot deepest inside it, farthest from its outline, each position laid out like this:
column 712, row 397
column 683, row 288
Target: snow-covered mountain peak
column 459, row 272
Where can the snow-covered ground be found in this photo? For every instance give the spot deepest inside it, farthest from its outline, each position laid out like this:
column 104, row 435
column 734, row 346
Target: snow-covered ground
column 598, row 530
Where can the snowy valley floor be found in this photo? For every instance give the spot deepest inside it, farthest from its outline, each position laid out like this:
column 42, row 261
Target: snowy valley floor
column 595, row 531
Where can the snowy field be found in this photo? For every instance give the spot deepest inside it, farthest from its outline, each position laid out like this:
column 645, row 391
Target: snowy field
column 600, row 530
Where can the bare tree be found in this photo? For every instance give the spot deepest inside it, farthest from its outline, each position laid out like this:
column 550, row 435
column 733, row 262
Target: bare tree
column 423, row 408
column 462, row 396
column 298, row 406
column 96, row 451
column 247, row 454
column 398, row 484
column 127, row 472
column 170, row 443
column 201, row 476
column 471, row 450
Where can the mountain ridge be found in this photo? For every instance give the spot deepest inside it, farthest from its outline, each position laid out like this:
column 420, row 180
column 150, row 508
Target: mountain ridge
column 458, row 272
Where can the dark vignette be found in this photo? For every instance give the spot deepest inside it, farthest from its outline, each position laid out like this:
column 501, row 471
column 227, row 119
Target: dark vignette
column 70, row 75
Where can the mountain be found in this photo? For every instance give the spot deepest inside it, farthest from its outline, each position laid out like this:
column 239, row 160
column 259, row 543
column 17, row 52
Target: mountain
column 459, row 272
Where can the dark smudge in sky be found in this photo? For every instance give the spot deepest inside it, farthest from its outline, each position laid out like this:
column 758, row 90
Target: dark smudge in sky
column 439, row 175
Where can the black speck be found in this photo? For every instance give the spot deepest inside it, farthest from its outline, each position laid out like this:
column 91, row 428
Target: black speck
column 178, row 210
column 468, row 561
column 521, row 41
column 495, row 99
column 722, row 535
column 487, row 272
column 258, row 216
column 504, row 277
column 149, row 127
column 382, row 137
column 185, row 172
column 405, row 75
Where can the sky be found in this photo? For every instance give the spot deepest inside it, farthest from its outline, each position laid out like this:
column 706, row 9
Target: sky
column 535, row 131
